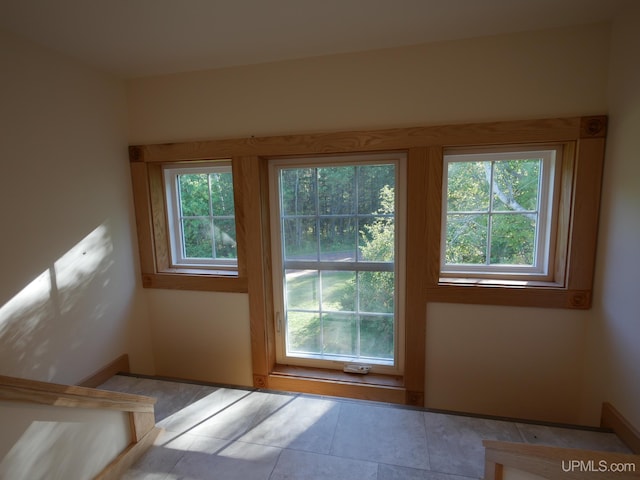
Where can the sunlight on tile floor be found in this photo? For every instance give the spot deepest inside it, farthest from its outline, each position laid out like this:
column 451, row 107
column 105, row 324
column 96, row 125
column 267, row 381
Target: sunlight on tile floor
column 228, row 433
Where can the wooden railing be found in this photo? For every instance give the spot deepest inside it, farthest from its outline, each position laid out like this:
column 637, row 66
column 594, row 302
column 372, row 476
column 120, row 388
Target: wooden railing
column 140, row 409
column 506, row 461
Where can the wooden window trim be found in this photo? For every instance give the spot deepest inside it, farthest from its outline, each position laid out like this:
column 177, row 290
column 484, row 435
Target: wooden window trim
column 153, row 238
column 577, row 224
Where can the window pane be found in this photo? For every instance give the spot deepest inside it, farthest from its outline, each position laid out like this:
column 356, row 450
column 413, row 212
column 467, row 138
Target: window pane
column 339, row 291
column 197, row 238
column 336, row 191
column 339, row 334
column 337, row 239
column 300, row 239
column 201, row 215
column 298, row 191
column 468, row 186
column 513, row 239
column 376, row 336
column 376, row 291
column 302, row 291
column 222, row 194
column 377, row 239
column 515, row 185
column 303, row 332
column 466, row 239
column 332, row 220
column 225, row 238
column 194, row 194
column 371, row 181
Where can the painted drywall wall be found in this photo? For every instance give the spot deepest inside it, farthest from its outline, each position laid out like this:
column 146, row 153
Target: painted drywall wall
column 43, row 441
column 505, row 361
column 70, row 298
column 555, row 72
column 612, row 370
column 537, row 74
column 201, row 336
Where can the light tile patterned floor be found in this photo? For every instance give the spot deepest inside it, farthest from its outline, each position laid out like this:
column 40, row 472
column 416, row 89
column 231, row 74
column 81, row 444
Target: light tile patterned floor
column 228, row 433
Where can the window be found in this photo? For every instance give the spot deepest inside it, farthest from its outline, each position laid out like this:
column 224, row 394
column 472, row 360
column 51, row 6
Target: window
column 201, row 215
column 336, row 277
column 498, row 213
column 571, row 248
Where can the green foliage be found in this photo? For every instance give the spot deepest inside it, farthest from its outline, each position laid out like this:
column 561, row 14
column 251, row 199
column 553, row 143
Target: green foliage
column 377, row 336
column 378, row 244
column 377, row 237
column 492, row 200
column 303, row 332
column 319, row 207
column 207, row 214
column 335, row 213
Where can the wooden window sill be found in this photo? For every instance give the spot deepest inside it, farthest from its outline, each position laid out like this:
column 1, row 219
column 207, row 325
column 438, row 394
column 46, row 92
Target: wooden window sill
column 338, row 376
column 201, row 282
column 319, row 381
column 547, row 296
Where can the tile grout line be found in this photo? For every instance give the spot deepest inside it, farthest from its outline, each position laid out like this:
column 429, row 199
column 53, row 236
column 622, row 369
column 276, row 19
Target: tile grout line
column 426, row 435
column 335, row 429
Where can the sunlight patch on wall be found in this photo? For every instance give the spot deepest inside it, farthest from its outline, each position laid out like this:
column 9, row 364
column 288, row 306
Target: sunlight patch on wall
column 27, row 309
column 29, row 320
column 37, row 441
column 80, row 264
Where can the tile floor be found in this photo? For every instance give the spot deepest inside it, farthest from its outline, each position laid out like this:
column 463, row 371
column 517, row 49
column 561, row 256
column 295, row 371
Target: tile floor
column 228, row 433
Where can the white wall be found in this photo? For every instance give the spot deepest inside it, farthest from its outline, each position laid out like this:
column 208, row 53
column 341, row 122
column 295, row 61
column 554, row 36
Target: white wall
column 36, row 440
column 201, row 335
column 612, row 370
column 520, row 362
column 556, row 72
column 506, row 361
column 70, row 298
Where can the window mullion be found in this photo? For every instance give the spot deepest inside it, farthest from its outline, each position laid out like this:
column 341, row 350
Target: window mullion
column 213, row 226
column 177, row 190
column 490, row 216
column 541, row 228
column 316, row 199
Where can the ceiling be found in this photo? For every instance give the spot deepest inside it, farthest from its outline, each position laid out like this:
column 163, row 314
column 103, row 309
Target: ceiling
column 132, row 38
